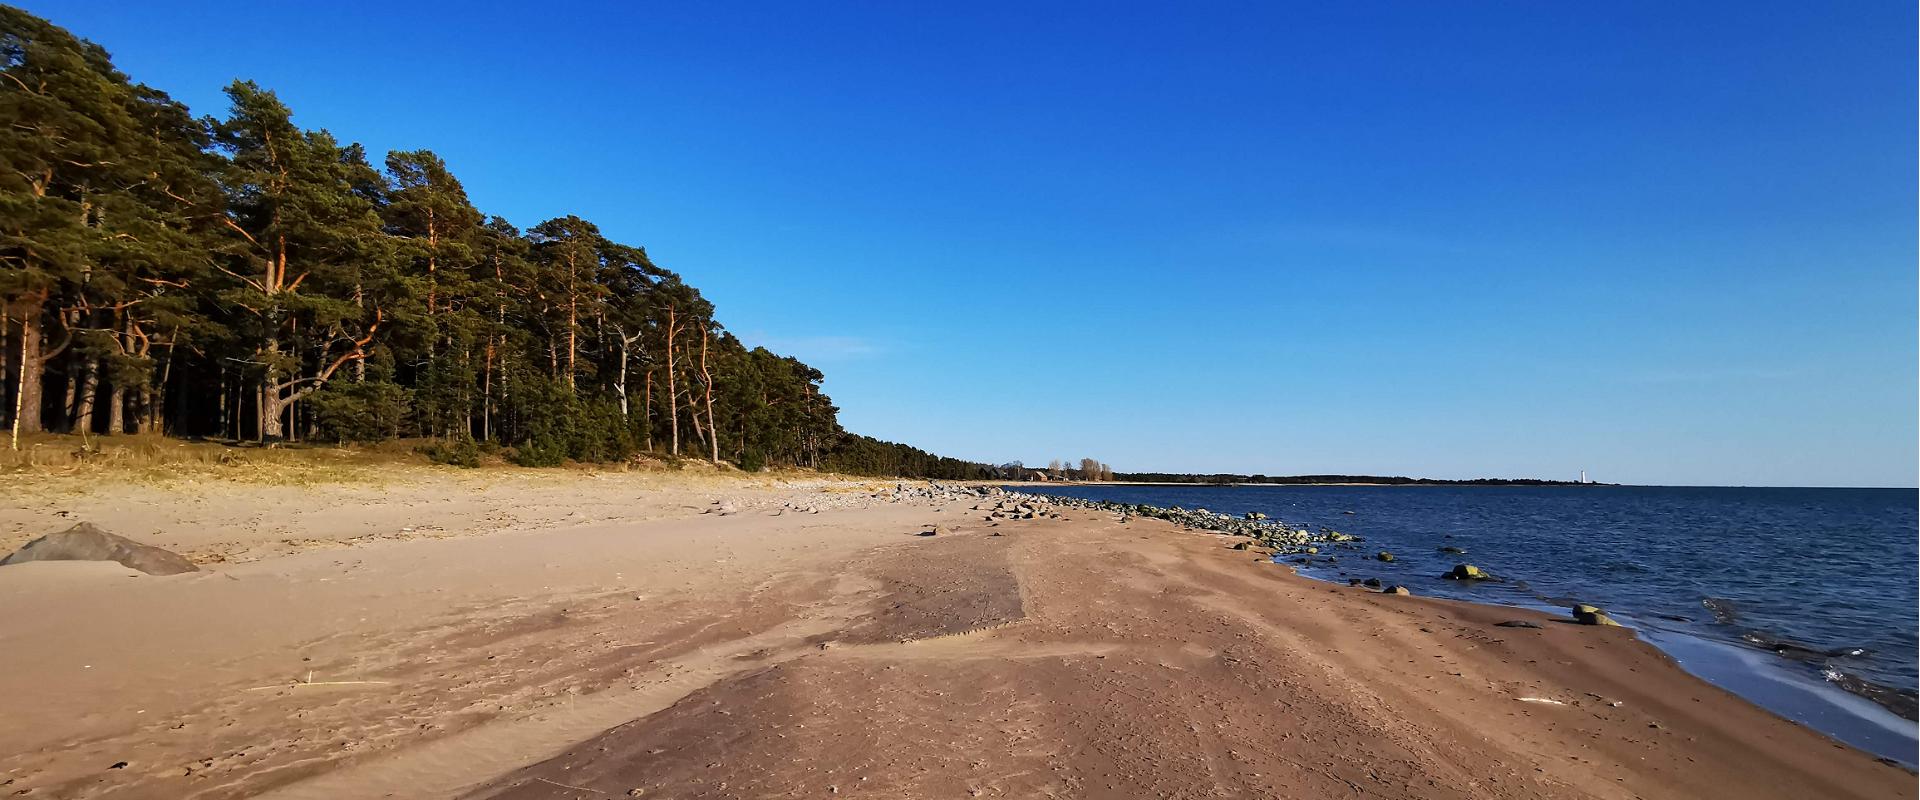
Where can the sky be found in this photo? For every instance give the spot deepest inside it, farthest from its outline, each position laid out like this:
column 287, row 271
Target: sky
column 1666, row 243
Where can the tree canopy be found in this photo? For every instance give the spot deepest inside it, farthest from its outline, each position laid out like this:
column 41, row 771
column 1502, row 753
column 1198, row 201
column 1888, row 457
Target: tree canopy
column 240, row 277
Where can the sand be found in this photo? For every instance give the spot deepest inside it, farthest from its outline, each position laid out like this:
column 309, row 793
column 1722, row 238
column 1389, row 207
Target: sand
column 519, row 634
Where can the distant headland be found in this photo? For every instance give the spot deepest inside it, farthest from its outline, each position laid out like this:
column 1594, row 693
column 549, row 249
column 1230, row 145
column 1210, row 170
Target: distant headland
column 1229, row 479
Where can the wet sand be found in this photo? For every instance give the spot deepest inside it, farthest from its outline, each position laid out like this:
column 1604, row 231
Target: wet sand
column 645, row 648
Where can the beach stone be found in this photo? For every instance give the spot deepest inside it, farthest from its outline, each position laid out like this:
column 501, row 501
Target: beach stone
column 1384, row 556
column 1371, row 583
column 1399, row 590
column 84, row 542
column 1453, row 550
column 1467, row 572
column 1516, row 623
column 1242, row 545
column 1592, row 615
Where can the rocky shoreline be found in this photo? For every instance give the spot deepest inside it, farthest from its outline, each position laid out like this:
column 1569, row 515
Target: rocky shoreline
column 1306, row 547
column 1257, row 532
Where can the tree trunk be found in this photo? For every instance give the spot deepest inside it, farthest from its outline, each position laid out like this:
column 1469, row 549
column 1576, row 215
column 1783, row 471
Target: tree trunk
column 270, row 404
column 693, row 416
column 26, row 396
column 89, row 386
column 225, row 392
column 707, row 378
column 68, row 408
column 157, row 405
column 486, row 395
column 466, row 388
column 116, row 410
column 6, row 362
column 648, row 405
column 673, row 394
column 573, row 314
column 620, row 384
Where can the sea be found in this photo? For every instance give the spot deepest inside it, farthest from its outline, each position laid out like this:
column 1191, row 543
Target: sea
column 1800, row 600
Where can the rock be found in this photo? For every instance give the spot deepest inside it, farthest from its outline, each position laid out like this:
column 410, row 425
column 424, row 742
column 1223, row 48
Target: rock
column 84, row 542
column 1399, row 590
column 1353, row 581
column 1453, row 550
column 1515, row 623
column 1371, row 583
column 1242, row 545
column 932, row 530
column 1592, row 615
column 1384, row 556
column 1255, row 516
column 1467, row 572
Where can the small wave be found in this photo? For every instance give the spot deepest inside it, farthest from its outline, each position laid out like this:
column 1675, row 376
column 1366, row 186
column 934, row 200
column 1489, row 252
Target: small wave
column 1723, row 610
column 1904, row 702
column 1797, row 651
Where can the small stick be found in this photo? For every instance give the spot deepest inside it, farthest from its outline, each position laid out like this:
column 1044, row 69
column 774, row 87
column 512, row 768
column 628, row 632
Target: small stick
column 571, row 786
column 321, row 683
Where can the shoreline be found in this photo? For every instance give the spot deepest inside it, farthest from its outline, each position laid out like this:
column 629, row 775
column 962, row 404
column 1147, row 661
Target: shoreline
column 720, row 639
column 1863, row 718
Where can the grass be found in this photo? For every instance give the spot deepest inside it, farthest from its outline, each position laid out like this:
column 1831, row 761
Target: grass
column 148, row 458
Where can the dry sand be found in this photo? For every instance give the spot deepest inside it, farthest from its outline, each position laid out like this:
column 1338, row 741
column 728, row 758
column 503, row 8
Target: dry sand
column 508, row 634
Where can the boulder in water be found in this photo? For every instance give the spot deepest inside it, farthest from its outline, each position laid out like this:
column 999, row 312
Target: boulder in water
column 1384, row 556
column 84, row 542
column 1592, row 615
column 1467, row 572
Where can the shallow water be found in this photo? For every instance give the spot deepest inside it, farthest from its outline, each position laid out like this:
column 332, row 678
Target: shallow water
column 1821, row 583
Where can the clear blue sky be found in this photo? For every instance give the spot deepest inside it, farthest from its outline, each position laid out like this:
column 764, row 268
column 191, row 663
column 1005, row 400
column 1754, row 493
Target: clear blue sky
column 1663, row 242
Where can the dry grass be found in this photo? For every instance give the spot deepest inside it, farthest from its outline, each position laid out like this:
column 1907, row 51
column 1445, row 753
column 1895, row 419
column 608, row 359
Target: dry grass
column 153, row 457
column 148, row 458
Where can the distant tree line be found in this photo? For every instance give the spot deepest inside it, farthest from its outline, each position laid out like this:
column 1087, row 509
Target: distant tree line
column 241, row 277
column 1056, row 470
column 1225, row 478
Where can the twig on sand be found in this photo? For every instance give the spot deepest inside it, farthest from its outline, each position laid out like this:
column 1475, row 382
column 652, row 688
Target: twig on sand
column 310, row 682
column 573, row 787
column 319, row 683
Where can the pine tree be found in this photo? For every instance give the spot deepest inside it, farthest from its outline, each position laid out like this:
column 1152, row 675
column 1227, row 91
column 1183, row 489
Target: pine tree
column 309, row 263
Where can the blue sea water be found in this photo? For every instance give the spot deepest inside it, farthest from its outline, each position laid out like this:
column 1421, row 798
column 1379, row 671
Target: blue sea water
column 1782, row 595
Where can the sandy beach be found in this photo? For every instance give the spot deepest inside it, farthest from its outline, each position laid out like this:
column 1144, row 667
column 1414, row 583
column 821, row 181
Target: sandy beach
column 426, row 633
